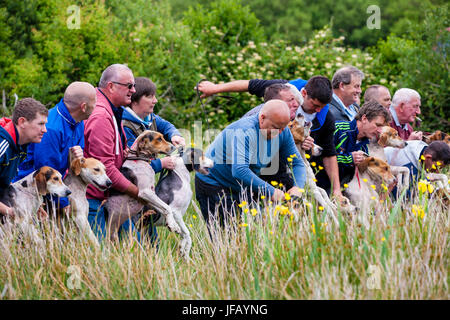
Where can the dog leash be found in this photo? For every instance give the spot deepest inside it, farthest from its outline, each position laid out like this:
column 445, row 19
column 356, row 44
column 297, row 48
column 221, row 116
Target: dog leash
column 201, row 102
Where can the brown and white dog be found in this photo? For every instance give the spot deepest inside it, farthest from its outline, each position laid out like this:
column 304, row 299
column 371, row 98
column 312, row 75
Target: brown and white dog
column 390, row 138
column 300, row 132
column 137, row 169
column 26, row 197
column 372, row 176
column 83, row 172
column 438, row 135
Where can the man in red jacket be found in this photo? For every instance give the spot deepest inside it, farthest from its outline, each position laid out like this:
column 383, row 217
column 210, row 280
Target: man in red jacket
column 105, row 139
column 404, row 109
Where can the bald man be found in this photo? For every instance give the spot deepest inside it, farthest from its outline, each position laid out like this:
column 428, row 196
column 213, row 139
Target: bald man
column 241, row 153
column 65, row 133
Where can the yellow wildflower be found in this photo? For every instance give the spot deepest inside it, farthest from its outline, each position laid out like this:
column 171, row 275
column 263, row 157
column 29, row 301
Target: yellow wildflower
column 307, row 156
column 274, row 183
column 365, row 180
column 243, row 203
column 430, row 188
column 433, row 167
column 373, row 187
column 194, row 216
column 422, row 185
column 287, row 196
column 422, row 158
column 320, row 168
column 313, row 228
column 438, row 163
column 321, row 208
column 314, row 179
column 263, row 197
column 246, row 210
column 383, row 239
column 254, row 212
column 313, row 164
column 345, row 185
column 418, row 211
column 289, row 159
column 243, row 225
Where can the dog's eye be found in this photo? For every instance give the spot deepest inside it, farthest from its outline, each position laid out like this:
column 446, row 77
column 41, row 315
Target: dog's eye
column 96, row 169
column 55, row 178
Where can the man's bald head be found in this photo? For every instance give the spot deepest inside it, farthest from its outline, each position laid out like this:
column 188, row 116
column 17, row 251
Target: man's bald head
column 80, row 99
column 274, row 115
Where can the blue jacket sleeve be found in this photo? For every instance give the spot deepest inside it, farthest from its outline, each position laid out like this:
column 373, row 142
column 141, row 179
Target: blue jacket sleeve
column 166, row 128
column 344, row 155
column 240, row 169
column 130, row 136
column 156, row 165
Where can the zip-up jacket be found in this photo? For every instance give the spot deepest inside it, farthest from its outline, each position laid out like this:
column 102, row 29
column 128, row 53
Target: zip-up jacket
column 11, row 153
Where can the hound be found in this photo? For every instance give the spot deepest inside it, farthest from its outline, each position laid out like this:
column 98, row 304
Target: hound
column 137, row 169
column 390, row 138
column 175, row 190
column 300, row 132
column 366, row 187
column 26, row 197
column 438, row 135
column 81, row 173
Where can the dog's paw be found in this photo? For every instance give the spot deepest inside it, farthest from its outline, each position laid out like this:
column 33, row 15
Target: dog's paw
column 172, row 225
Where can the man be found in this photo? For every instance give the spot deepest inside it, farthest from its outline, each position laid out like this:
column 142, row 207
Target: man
column 346, row 85
column 27, row 126
column 65, row 134
column 105, row 139
column 240, row 153
column 379, row 94
column 404, row 110
column 352, row 137
column 316, row 93
column 417, row 156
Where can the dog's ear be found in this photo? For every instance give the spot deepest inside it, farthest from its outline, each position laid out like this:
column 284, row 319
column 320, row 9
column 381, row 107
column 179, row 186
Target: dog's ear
column 363, row 165
column 382, row 140
column 41, row 182
column 77, row 165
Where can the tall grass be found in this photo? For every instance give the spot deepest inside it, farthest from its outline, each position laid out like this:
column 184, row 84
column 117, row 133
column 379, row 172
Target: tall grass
column 291, row 252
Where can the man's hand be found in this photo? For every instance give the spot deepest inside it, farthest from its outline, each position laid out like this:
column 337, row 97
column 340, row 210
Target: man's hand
column 295, row 191
column 208, row 88
column 416, row 135
column 358, row 157
column 76, row 152
column 168, row 162
column 178, row 141
column 278, row 195
column 41, row 214
column 308, row 143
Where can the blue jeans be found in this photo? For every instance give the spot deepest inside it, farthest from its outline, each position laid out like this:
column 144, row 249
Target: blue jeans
column 97, row 221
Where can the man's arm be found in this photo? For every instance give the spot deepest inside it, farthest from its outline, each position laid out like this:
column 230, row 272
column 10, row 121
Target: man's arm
column 209, row 88
column 6, row 211
column 331, row 167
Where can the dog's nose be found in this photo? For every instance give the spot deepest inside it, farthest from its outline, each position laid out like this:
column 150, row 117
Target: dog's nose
column 406, row 143
column 108, row 183
column 68, row 192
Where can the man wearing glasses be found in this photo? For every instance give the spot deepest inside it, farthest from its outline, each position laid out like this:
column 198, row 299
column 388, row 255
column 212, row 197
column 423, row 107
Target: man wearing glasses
column 105, row 140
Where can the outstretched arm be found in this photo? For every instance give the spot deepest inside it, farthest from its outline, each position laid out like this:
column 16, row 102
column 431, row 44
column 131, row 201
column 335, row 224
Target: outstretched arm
column 209, row 88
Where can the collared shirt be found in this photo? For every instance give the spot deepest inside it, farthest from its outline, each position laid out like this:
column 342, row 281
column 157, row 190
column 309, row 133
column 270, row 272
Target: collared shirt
column 350, row 111
column 395, row 118
column 309, row 117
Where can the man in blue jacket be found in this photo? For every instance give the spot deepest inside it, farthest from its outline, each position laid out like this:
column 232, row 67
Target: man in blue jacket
column 65, row 133
column 241, row 152
column 316, row 93
column 352, row 137
column 27, row 126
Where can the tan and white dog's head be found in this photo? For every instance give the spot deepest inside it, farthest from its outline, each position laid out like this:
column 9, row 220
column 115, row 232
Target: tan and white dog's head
column 438, row 135
column 389, row 138
column 91, row 171
column 49, row 181
column 150, row 143
column 378, row 170
column 300, row 132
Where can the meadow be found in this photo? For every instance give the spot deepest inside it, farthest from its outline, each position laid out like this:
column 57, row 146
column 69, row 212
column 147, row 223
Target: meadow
column 289, row 250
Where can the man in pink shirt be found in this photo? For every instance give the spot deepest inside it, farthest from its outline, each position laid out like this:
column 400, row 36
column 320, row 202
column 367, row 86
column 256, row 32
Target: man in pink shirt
column 105, row 139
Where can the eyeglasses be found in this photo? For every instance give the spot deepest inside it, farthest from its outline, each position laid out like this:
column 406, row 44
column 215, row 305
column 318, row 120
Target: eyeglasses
column 129, row 85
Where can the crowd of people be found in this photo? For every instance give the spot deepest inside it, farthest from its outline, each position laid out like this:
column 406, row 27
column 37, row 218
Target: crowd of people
column 249, row 155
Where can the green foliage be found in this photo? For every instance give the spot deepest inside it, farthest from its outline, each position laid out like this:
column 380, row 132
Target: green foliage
column 421, row 61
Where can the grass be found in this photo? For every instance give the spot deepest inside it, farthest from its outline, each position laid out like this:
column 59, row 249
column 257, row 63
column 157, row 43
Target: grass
column 292, row 252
